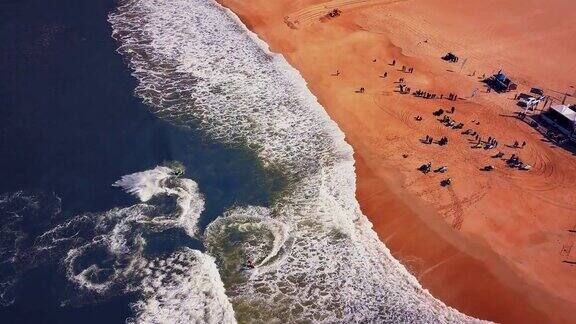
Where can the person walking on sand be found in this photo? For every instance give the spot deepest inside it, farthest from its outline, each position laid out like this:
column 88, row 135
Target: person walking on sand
column 393, row 62
column 452, row 110
column 474, row 92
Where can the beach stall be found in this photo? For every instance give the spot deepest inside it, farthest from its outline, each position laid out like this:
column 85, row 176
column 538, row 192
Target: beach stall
column 562, row 118
column 500, row 82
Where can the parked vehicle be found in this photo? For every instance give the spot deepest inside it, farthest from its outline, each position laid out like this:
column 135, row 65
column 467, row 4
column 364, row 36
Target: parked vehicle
column 525, row 100
column 537, row 91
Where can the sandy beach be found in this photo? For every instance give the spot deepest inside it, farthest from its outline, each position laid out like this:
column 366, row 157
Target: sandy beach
column 494, row 245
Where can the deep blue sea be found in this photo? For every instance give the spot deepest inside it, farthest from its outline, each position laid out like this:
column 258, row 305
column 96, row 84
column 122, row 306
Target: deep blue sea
column 70, row 126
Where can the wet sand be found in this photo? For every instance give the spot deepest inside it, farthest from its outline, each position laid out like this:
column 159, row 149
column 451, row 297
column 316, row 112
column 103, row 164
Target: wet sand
column 493, row 244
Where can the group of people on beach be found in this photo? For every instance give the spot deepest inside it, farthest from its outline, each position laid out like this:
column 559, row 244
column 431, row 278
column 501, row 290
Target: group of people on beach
column 488, row 144
column 424, row 94
column 407, row 69
column 448, row 121
column 452, row 96
column 427, row 168
column 427, row 140
column 517, row 145
column 429, row 95
column 492, row 143
column 402, row 88
column 515, row 162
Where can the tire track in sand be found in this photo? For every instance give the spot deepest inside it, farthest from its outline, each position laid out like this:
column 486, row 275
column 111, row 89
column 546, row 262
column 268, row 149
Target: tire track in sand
column 314, row 13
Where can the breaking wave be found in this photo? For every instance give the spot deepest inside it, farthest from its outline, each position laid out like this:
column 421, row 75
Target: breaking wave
column 161, row 180
column 183, row 288
column 312, row 255
column 105, row 254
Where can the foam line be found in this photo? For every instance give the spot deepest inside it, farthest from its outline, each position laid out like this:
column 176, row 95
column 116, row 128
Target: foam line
column 318, row 258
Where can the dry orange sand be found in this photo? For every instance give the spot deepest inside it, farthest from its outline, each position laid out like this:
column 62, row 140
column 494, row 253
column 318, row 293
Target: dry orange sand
column 493, row 244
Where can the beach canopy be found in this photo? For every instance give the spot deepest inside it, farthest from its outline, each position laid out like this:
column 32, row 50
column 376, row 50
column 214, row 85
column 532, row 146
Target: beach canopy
column 501, row 77
column 565, row 111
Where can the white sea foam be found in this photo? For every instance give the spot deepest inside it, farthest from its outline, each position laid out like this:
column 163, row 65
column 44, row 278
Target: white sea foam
column 181, row 287
column 104, row 253
column 162, row 181
column 146, row 184
column 184, row 288
column 317, row 257
column 266, row 243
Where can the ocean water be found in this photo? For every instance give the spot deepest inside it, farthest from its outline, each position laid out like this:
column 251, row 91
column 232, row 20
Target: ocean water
column 262, row 227
column 71, row 127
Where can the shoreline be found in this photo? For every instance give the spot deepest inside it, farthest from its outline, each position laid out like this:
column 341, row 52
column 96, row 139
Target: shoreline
column 465, row 270
column 410, row 226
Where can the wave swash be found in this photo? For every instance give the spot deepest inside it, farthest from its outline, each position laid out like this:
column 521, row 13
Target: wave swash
column 311, row 256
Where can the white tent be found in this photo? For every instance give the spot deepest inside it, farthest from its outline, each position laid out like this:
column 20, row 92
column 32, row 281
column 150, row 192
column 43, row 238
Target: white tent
column 565, row 111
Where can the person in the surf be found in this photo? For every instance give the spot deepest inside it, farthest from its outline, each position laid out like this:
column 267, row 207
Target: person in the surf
column 249, row 264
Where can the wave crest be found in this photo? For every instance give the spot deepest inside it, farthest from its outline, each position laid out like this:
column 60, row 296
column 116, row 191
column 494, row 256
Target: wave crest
column 104, row 254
